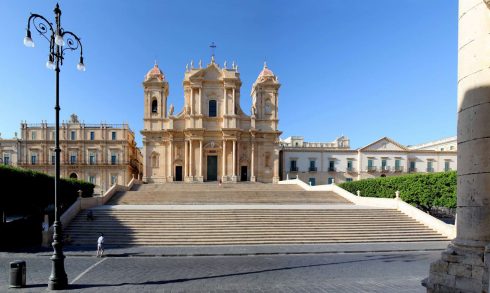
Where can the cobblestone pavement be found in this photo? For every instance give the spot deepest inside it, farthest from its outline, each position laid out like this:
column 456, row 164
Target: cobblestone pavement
column 337, row 272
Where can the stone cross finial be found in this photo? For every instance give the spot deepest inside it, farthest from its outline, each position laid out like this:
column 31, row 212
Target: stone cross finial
column 192, row 64
column 200, row 63
column 224, row 65
column 187, row 67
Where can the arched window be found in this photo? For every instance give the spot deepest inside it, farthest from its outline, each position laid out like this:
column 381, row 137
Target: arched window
column 154, row 106
column 212, row 108
column 154, row 160
column 73, row 176
column 268, row 107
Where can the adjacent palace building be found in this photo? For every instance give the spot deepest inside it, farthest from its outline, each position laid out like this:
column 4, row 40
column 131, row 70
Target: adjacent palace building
column 329, row 162
column 213, row 139
column 103, row 154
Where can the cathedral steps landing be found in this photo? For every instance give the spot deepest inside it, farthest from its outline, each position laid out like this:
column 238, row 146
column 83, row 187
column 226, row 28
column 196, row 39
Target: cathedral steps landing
column 234, row 214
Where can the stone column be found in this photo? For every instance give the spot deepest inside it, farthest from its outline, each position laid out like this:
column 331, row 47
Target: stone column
column 234, row 99
column 191, row 160
column 233, row 177
column 224, row 161
column 171, row 161
column 186, row 159
column 252, row 163
column 275, row 178
column 191, row 101
column 225, row 102
column 200, row 179
column 200, row 101
column 463, row 267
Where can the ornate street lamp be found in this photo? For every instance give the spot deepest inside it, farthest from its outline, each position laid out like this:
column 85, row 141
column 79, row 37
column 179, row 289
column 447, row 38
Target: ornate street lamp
column 59, row 42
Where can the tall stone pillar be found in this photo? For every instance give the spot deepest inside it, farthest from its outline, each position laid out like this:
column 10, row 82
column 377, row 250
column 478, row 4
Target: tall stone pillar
column 191, row 160
column 275, row 177
column 200, row 177
column 463, row 267
column 252, row 163
column 200, row 101
column 223, row 171
column 233, row 177
column 186, row 159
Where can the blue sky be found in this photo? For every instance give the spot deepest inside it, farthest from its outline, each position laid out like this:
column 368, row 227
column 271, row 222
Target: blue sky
column 365, row 69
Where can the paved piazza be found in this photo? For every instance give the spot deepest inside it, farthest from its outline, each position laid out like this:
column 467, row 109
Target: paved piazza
column 337, row 272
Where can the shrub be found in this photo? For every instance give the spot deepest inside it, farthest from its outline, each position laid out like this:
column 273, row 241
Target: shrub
column 423, row 190
column 25, row 191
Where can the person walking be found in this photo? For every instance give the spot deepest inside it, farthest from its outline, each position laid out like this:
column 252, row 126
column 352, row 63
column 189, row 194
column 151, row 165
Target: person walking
column 100, row 245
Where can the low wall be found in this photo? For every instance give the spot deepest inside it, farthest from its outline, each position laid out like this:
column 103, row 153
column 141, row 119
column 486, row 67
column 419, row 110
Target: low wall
column 447, row 230
column 83, row 203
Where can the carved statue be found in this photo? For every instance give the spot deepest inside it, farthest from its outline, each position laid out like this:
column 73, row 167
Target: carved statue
column 224, row 65
column 253, row 110
column 171, row 110
column 74, row 118
column 200, row 63
column 192, row 64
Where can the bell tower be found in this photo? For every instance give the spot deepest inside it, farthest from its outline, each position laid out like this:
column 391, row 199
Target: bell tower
column 265, row 93
column 156, row 93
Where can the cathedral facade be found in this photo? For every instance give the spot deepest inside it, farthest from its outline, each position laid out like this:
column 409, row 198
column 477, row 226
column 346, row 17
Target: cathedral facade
column 211, row 138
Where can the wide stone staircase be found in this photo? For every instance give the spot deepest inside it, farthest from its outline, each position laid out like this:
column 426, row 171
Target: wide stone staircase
column 234, row 214
column 211, row 193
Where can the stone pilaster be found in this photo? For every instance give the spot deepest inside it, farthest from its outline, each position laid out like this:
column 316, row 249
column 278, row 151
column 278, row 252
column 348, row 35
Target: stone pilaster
column 463, row 267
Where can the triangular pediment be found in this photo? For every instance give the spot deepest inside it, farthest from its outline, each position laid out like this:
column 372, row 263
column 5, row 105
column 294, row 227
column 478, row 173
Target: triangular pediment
column 384, row 144
column 210, row 73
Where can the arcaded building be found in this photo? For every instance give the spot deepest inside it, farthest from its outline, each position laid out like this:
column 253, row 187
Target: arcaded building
column 211, row 138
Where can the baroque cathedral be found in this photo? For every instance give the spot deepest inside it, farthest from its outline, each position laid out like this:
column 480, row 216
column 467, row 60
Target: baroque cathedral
column 211, row 138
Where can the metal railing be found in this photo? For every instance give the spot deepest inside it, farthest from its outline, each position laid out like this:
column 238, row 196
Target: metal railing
column 312, row 169
column 351, row 169
column 331, row 169
column 412, row 170
column 385, row 168
column 398, row 169
column 371, row 168
column 430, row 170
column 293, row 169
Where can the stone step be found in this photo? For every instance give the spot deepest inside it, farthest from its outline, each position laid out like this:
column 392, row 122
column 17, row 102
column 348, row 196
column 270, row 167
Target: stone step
column 198, row 227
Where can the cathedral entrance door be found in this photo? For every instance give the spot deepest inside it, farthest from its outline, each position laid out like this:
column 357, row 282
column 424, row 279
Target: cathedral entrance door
column 243, row 173
column 212, row 168
column 178, row 173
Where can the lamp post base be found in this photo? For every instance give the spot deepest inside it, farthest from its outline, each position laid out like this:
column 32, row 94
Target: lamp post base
column 58, row 279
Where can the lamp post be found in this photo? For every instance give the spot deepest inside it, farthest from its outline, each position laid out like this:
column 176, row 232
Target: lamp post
column 56, row 36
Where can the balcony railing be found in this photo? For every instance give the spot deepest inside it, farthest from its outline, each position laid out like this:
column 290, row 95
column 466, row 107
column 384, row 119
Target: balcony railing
column 23, row 163
column 331, row 169
column 385, row 168
column 312, row 169
column 371, row 168
column 430, row 170
column 447, row 169
column 398, row 169
column 293, row 169
column 351, row 169
column 412, row 170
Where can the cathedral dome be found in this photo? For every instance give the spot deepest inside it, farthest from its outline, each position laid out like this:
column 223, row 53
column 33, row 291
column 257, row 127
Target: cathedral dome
column 155, row 72
column 266, row 74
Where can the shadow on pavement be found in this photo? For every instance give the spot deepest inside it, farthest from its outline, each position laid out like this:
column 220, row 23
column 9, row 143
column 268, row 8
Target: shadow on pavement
column 384, row 258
